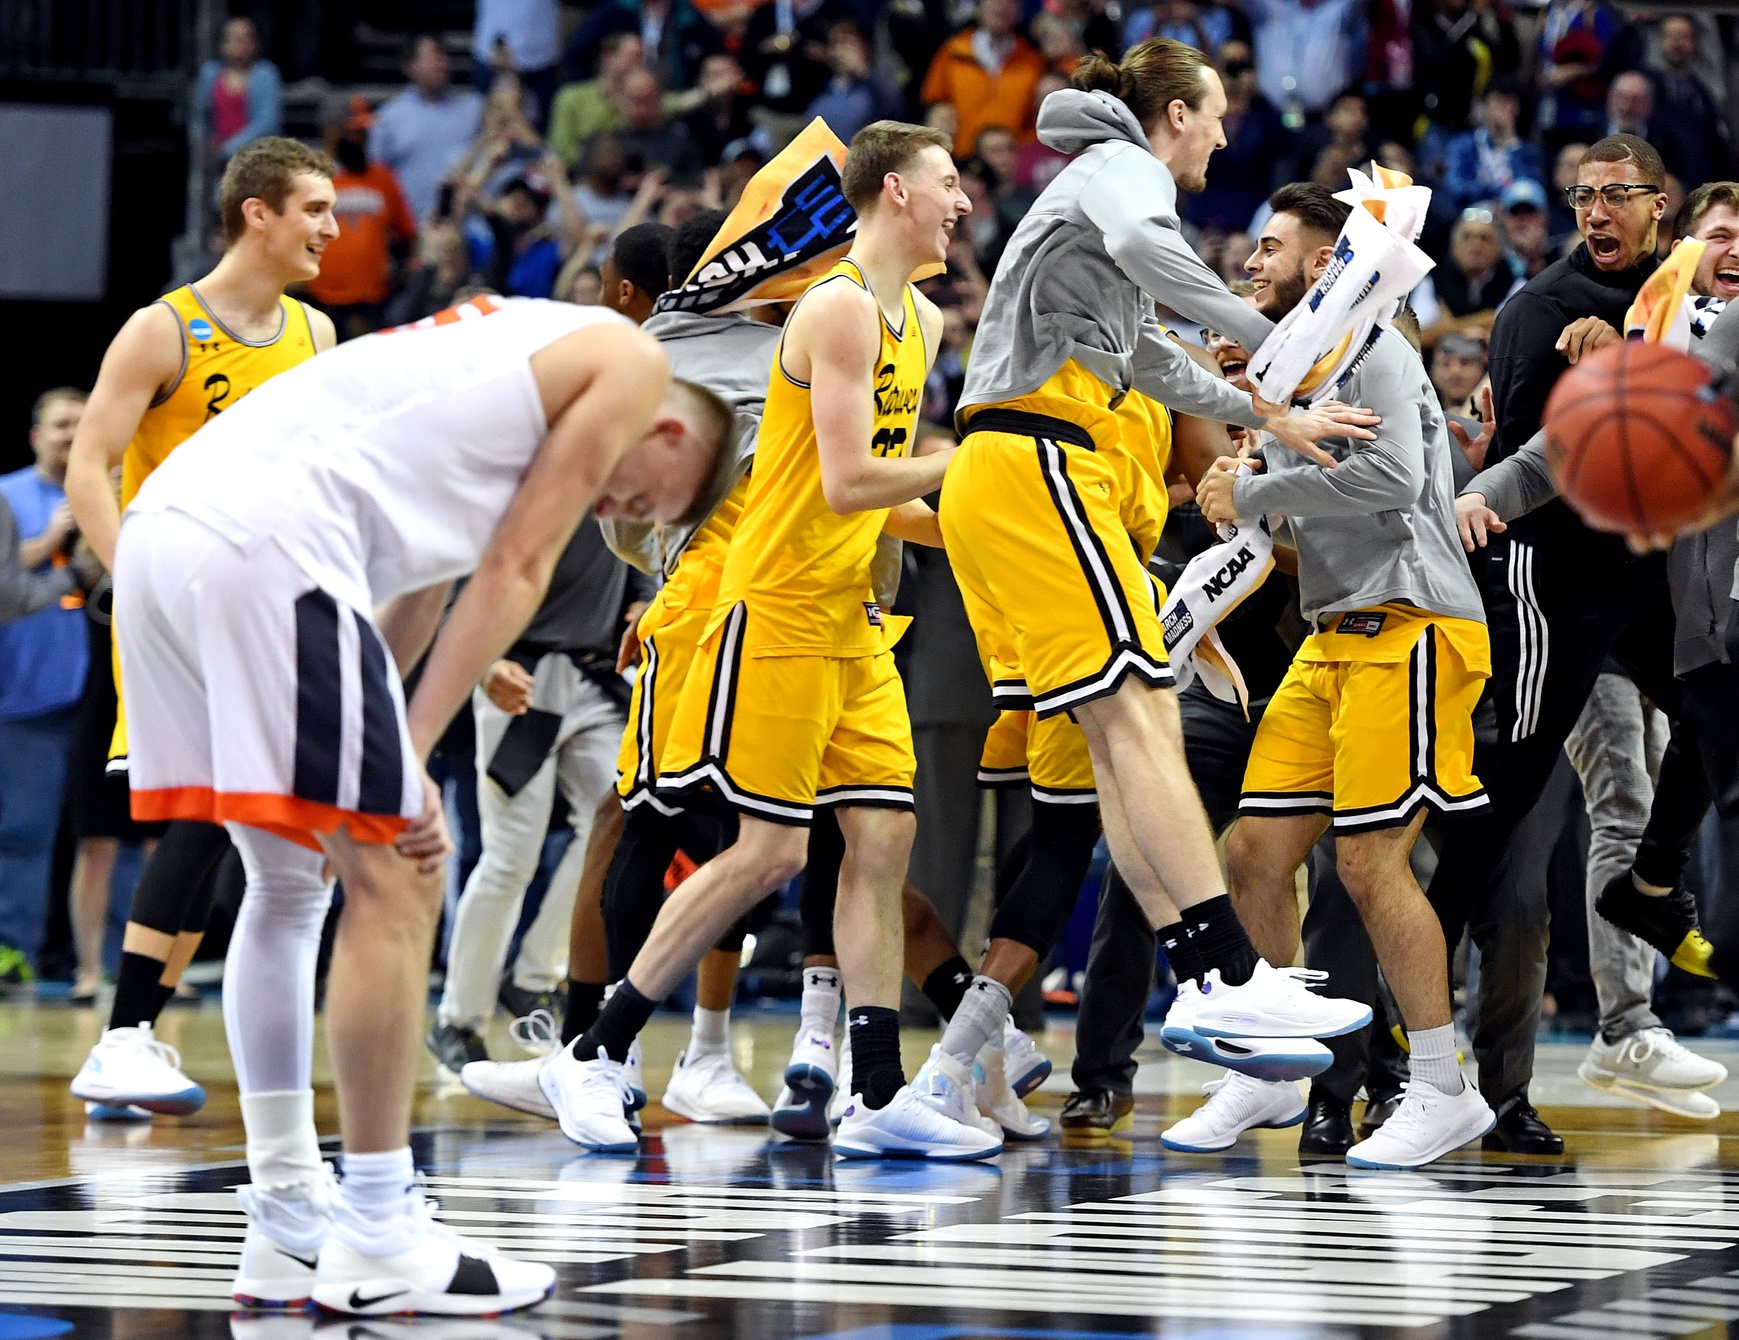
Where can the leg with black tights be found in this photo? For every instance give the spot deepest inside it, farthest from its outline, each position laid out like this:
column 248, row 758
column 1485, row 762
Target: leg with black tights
column 1681, row 801
column 634, row 888
column 170, row 905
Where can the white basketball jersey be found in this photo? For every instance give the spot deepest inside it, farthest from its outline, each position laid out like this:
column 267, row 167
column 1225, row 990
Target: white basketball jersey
column 384, row 465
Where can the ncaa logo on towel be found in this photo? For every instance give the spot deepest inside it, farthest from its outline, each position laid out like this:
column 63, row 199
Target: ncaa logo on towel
column 1177, row 623
column 199, row 328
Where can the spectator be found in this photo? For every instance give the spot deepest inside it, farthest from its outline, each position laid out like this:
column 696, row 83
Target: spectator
column 1560, row 218
column 443, row 269
column 584, row 288
column 1630, row 107
column 1457, row 369
column 1057, row 42
column 637, row 270
column 522, row 36
column 422, row 132
column 1481, row 164
column 1089, row 25
column 719, row 114
column 23, row 591
column 854, row 96
column 1206, row 27
column 997, row 162
column 1574, row 38
column 512, row 245
column 1464, row 292
column 1307, row 51
column 986, row 73
column 593, row 107
column 356, row 267
column 1523, row 216
column 1696, row 146
column 948, row 373
column 1259, row 150
column 602, row 195
column 1457, row 46
column 240, row 97
column 1345, row 128
column 42, row 675
column 785, row 53
column 677, row 37
column 1036, row 163
column 649, row 140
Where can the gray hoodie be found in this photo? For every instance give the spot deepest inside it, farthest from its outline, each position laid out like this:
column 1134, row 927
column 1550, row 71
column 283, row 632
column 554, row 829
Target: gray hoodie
column 1082, row 270
column 1380, row 526
column 732, row 357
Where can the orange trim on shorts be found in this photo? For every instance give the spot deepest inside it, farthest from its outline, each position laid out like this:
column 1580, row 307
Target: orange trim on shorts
column 289, row 817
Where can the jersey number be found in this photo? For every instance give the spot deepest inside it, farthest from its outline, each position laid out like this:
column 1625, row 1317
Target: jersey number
column 887, row 442
column 218, row 385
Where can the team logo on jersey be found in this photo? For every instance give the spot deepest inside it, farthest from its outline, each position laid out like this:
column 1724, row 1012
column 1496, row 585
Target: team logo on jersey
column 200, row 328
column 1365, row 624
column 891, row 397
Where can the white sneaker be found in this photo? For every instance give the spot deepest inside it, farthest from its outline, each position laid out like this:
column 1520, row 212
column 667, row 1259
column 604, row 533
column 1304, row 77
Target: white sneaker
column 842, row 1089
column 634, row 1077
column 537, row 1032
column 1026, row 1066
column 129, row 1067
column 279, row 1254
column 710, row 1089
column 910, row 1126
column 1260, row 1058
column 589, row 1098
column 428, row 1269
column 1428, row 1124
column 1651, row 1066
column 997, row 1098
column 1235, row 1104
column 811, row 1081
column 110, row 1112
column 511, row 1083
column 1275, row 1003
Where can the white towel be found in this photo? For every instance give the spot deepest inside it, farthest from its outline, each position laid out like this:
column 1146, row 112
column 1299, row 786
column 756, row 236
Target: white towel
column 1215, row 583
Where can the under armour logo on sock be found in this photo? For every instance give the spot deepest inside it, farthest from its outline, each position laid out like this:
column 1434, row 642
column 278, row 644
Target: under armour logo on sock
column 862, row 1019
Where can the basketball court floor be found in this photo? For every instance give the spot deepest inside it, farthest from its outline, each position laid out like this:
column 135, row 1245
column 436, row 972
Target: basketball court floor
column 715, row 1232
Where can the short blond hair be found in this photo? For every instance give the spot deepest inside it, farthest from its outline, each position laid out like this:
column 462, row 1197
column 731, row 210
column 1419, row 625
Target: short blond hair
column 878, row 149
column 265, row 169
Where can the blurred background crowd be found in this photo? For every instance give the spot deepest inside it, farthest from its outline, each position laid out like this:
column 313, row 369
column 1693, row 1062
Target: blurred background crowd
column 506, row 145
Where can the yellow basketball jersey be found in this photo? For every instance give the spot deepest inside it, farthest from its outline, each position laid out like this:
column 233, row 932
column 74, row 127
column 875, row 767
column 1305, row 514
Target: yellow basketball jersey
column 1143, row 457
column 218, row 368
column 696, row 578
column 802, row 567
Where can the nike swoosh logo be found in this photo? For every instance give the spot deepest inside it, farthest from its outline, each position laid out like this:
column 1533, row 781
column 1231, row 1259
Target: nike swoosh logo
column 358, row 1301
column 309, row 1261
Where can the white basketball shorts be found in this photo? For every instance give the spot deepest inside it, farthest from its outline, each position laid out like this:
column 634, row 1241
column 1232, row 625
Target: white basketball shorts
column 252, row 695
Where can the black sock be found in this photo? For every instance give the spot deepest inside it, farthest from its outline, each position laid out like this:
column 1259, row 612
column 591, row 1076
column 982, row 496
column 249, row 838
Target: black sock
column 1219, row 938
column 1181, row 952
column 617, row 1024
column 584, row 1000
column 876, row 1073
column 136, row 987
column 946, row 987
column 165, row 994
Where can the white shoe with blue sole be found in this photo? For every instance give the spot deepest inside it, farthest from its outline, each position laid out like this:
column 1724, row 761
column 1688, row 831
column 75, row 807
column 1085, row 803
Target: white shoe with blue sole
column 1274, row 1003
column 1259, row 1058
column 1235, row 1104
column 589, row 1098
column 1428, row 1124
column 130, row 1068
column 811, row 1077
column 1025, row 1065
column 910, row 1127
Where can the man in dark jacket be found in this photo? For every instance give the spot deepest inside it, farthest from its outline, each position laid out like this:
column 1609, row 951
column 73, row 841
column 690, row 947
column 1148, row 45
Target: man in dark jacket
column 1560, row 599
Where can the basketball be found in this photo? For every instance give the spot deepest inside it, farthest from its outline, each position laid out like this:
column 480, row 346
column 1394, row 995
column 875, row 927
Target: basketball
column 1638, row 439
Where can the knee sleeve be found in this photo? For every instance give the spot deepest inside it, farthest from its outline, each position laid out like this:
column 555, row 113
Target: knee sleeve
column 174, row 890
column 634, row 886
column 1039, row 901
column 268, row 997
column 820, row 888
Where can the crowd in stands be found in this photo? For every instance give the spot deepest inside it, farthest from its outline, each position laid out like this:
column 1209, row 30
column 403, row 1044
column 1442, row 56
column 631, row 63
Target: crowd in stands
column 575, row 123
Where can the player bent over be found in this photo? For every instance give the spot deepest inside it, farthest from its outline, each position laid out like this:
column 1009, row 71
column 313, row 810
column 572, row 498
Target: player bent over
column 264, row 696
column 793, row 699
column 1373, row 723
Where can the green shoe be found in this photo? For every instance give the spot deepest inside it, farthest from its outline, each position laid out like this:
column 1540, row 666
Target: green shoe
column 15, row 969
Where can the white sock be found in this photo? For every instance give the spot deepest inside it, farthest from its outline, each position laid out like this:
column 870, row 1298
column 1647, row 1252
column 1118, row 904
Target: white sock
column 377, row 1186
column 1431, row 1056
column 821, row 999
column 711, row 1032
column 283, row 1146
column 980, row 1017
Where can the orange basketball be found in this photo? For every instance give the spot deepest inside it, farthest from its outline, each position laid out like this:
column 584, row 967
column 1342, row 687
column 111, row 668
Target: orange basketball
column 1637, row 438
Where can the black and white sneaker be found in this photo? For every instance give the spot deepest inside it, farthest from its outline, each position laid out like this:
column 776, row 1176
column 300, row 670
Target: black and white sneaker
column 455, row 1046
column 425, row 1269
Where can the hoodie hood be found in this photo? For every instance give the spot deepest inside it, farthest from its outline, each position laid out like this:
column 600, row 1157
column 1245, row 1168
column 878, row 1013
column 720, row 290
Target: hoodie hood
column 687, row 325
column 1071, row 119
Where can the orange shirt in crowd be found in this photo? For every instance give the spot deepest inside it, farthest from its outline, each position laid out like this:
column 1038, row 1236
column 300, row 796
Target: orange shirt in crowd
column 980, row 98
column 357, row 264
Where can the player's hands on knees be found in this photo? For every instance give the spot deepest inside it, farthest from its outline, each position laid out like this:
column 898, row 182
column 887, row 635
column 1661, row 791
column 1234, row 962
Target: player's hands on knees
column 508, row 686
column 1302, row 429
column 1474, row 519
column 426, row 841
column 1584, row 335
column 1214, row 493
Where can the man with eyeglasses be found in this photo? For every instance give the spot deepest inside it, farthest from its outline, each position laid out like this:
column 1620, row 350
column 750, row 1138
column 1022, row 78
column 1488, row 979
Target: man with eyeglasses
column 1560, row 599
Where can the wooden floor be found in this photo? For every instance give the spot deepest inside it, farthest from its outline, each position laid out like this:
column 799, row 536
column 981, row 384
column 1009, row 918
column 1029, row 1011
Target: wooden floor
column 129, row 1231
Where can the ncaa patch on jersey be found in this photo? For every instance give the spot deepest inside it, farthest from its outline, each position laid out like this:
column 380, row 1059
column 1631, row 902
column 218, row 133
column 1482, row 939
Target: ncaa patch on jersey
column 200, row 328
